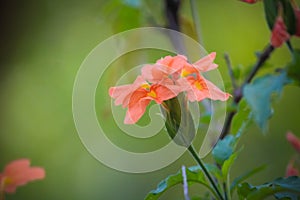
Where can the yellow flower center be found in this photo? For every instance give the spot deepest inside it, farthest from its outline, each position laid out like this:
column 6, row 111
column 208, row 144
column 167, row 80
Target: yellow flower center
column 152, row 94
column 146, row 86
column 198, row 85
column 185, row 73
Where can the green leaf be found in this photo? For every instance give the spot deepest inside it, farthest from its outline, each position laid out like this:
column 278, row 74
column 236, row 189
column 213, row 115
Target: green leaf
column 293, row 69
column 242, row 119
column 224, row 149
column 228, row 163
column 133, row 3
column 244, row 176
column 194, row 175
column 271, row 12
column 289, row 16
column 281, row 188
column 259, row 93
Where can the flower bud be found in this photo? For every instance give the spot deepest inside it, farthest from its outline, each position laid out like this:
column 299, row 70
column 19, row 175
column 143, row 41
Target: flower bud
column 178, row 120
column 279, row 33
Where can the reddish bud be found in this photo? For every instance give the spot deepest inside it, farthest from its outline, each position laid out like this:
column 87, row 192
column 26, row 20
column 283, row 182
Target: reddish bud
column 291, row 170
column 249, row 1
column 279, row 33
column 293, row 140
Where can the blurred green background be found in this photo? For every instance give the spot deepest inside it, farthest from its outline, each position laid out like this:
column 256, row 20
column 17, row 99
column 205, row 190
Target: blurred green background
column 43, row 44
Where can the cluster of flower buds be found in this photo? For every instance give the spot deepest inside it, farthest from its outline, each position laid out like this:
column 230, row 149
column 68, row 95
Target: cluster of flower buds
column 282, row 28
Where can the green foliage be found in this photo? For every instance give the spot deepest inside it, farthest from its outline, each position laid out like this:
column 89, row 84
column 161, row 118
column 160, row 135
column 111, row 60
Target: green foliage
column 224, row 149
column 259, row 93
column 271, row 12
column 242, row 119
column 293, row 69
column 244, row 176
column 193, row 175
column 281, row 188
column 133, row 3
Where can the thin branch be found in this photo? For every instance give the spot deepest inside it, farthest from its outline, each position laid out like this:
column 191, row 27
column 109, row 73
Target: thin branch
column 230, row 71
column 196, row 20
column 262, row 58
column 172, row 15
column 238, row 93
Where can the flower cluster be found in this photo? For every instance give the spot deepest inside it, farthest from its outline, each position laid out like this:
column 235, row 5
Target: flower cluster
column 280, row 33
column 18, row 173
column 164, row 80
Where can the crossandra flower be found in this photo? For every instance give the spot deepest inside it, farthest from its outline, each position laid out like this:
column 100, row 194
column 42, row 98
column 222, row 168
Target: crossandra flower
column 138, row 95
column 164, row 80
column 18, row 173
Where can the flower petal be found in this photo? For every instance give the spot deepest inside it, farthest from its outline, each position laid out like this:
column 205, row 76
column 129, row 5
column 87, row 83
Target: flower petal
column 206, row 63
column 135, row 111
column 122, row 93
column 215, row 93
column 19, row 173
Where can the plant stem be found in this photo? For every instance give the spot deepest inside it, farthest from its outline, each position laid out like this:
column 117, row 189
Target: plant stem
column 207, row 174
column 225, row 191
column 238, row 93
column 230, row 71
column 196, row 20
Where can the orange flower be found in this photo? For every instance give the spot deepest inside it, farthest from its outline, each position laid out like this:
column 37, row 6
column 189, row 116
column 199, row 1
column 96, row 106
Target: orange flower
column 164, row 80
column 19, row 173
column 138, row 96
column 199, row 88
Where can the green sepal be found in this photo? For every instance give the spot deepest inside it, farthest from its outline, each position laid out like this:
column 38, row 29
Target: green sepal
column 179, row 121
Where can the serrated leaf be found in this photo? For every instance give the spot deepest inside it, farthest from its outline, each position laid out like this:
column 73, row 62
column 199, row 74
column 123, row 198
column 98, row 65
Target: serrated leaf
column 224, row 149
column 293, row 69
column 244, row 176
column 193, row 175
column 259, row 93
column 271, row 12
column 282, row 188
